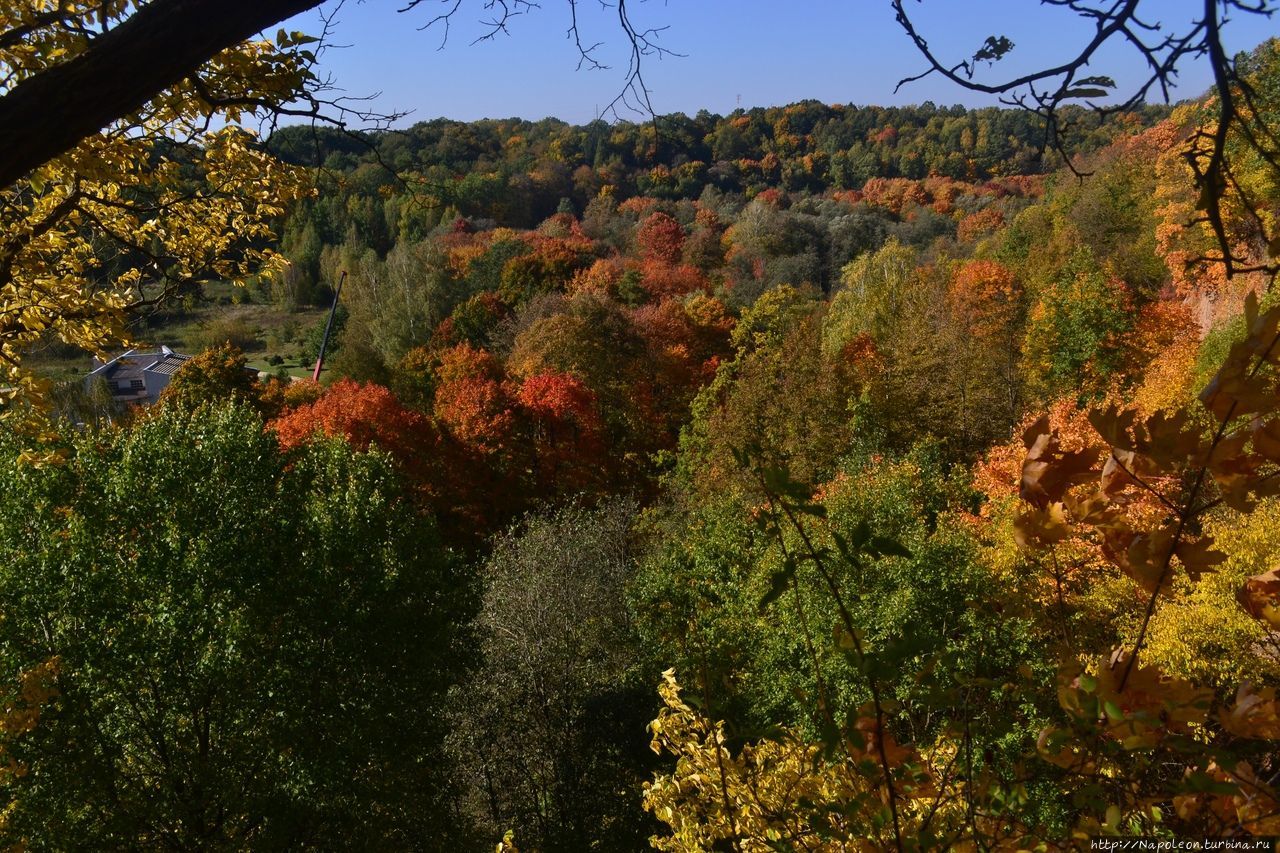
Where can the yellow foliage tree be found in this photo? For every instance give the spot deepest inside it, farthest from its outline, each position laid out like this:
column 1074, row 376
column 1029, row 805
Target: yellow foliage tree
column 1166, row 721
column 171, row 192
column 773, row 794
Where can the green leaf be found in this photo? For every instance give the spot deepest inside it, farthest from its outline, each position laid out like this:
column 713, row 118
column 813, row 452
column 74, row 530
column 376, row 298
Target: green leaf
column 888, row 547
column 777, row 585
column 1201, row 782
column 808, row 508
column 1084, row 92
column 861, row 535
column 905, row 648
column 993, row 49
column 845, row 549
column 778, row 481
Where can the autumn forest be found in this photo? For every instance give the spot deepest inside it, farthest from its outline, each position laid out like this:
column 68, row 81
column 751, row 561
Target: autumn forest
column 815, row 477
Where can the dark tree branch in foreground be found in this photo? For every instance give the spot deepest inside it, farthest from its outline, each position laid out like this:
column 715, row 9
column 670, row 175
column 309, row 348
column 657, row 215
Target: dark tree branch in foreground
column 164, row 41
column 642, row 42
column 129, row 61
column 1162, row 50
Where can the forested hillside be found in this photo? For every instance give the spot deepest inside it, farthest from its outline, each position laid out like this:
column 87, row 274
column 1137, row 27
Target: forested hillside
column 518, row 173
column 812, row 478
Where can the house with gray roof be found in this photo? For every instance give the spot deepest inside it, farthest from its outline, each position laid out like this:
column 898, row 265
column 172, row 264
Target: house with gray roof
column 137, row 376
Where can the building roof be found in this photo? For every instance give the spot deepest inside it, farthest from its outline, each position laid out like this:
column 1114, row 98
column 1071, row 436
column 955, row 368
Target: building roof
column 127, row 373
column 168, row 363
column 131, row 361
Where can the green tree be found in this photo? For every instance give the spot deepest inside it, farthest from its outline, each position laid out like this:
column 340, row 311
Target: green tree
column 550, row 728
column 253, row 647
column 873, row 289
column 855, row 614
column 1073, row 326
column 779, row 394
column 594, row 340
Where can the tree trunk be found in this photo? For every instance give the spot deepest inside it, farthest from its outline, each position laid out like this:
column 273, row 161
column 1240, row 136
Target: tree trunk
column 163, row 42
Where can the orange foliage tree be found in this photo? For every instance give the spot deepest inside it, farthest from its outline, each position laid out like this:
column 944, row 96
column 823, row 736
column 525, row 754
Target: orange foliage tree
column 1141, row 487
column 474, row 401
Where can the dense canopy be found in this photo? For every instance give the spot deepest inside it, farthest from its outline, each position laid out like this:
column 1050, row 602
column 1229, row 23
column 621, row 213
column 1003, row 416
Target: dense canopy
column 815, row 477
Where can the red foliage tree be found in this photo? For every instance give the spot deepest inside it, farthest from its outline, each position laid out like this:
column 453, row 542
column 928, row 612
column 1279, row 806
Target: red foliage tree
column 363, row 414
column 661, row 279
column 660, row 238
column 895, row 194
column 638, row 205
column 1161, row 325
column 979, row 224
column 565, row 431
column 457, row 485
column 684, row 344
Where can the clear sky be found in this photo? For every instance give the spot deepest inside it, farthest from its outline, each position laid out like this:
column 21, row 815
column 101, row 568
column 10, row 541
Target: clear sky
column 747, row 52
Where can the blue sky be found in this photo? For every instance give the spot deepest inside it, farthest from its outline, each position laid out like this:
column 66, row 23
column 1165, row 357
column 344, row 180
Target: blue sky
column 748, row 52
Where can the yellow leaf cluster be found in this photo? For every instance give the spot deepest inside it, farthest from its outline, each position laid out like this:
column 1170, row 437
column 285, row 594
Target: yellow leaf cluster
column 786, row 793
column 752, row 798
column 154, row 204
column 20, row 713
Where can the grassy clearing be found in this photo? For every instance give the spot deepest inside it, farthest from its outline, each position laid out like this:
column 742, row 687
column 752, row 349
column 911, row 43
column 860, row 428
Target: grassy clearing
column 272, row 337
